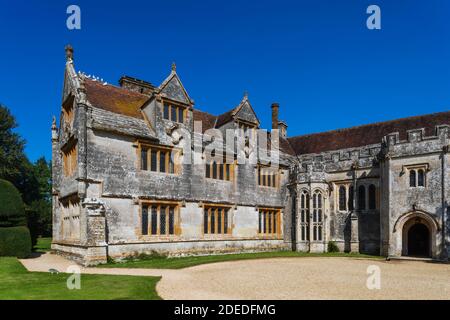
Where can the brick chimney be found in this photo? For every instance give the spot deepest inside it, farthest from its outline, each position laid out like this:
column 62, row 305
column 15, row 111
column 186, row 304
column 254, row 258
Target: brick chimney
column 278, row 124
column 275, row 107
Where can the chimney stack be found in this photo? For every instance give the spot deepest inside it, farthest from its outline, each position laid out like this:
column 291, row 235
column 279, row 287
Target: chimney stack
column 136, row 85
column 275, row 107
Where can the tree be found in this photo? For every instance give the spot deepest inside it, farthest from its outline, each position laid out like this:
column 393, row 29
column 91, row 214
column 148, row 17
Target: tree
column 32, row 180
column 42, row 206
column 12, row 211
column 14, row 164
column 11, row 147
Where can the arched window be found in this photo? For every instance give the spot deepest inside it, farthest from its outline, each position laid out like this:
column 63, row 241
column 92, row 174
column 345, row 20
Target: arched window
column 350, row 198
column 304, row 216
column 372, row 197
column 420, row 178
column 342, row 199
column 317, row 216
column 362, row 198
column 412, row 178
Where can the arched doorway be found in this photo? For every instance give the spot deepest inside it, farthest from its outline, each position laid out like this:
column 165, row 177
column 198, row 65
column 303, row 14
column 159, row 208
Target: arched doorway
column 419, row 240
column 415, row 233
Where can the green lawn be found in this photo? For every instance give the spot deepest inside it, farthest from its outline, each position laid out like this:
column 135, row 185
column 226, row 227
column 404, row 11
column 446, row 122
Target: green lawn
column 43, row 245
column 17, row 283
column 183, row 262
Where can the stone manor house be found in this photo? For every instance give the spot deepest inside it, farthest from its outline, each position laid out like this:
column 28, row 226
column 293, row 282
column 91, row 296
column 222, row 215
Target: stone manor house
column 122, row 185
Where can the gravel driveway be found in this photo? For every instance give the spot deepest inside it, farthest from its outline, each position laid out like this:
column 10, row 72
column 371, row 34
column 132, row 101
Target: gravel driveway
column 307, row 278
column 285, row 278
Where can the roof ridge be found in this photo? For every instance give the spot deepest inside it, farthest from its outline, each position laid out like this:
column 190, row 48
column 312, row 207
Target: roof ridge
column 369, row 124
column 116, row 87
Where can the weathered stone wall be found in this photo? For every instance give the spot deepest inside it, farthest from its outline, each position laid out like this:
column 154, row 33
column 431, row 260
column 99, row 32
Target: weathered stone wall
column 111, row 187
column 425, row 204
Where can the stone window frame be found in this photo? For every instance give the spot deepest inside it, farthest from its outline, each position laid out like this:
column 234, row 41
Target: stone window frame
column 68, row 110
column 372, row 195
column 246, row 127
column 275, row 225
column 214, row 208
column 415, row 169
column 70, row 208
column 337, row 187
column 317, row 216
column 362, row 197
column 175, row 154
column 264, row 182
column 169, row 104
column 158, row 236
column 312, row 208
column 304, row 207
column 226, row 176
column 69, row 154
column 367, row 196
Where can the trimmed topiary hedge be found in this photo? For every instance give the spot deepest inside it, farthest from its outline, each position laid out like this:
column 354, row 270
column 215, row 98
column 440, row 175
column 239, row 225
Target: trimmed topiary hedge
column 12, row 210
column 15, row 242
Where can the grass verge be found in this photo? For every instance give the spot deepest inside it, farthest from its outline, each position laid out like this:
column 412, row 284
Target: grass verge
column 16, row 283
column 43, row 245
column 161, row 262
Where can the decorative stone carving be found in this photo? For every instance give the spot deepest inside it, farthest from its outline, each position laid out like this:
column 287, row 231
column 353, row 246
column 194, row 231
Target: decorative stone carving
column 94, row 207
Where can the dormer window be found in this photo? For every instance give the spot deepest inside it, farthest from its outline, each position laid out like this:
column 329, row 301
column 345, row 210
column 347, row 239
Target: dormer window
column 174, row 112
column 247, row 129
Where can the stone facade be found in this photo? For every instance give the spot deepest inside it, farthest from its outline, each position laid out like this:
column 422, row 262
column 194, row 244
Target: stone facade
column 116, row 191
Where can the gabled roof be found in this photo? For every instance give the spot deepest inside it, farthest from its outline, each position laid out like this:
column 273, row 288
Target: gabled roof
column 128, row 103
column 366, row 134
column 208, row 120
column 173, row 89
column 231, row 114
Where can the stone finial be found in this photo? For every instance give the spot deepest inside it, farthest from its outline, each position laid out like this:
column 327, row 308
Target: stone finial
column 54, row 130
column 69, row 52
column 174, row 67
column 245, row 95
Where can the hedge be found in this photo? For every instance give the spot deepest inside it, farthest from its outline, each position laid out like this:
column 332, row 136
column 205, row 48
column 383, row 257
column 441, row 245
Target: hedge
column 332, row 247
column 12, row 210
column 15, row 242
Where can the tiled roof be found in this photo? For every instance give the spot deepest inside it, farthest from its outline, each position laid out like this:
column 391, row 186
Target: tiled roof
column 115, row 99
column 128, row 103
column 208, row 120
column 224, row 118
column 366, row 134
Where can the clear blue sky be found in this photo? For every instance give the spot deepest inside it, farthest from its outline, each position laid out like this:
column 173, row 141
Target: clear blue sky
column 316, row 58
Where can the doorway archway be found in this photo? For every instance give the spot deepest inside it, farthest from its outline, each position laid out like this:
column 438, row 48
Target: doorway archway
column 418, row 240
column 422, row 241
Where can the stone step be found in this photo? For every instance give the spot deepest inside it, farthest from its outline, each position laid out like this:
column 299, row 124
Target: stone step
column 406, row 258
